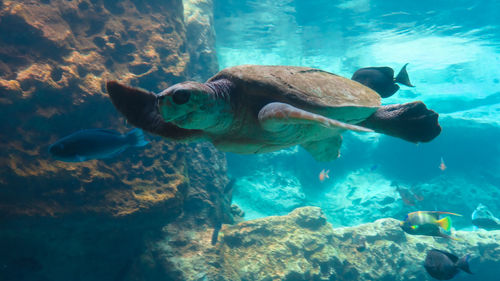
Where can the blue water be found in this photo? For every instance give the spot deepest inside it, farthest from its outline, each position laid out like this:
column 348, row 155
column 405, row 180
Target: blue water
column 453, row 51
column 150, row 213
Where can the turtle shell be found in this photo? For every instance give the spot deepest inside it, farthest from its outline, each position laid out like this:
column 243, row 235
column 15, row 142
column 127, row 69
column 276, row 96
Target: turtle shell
column 306, row 88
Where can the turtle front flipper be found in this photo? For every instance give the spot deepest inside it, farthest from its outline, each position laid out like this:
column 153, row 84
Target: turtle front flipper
column 140, row 109
column 319, row 135
column 276, row 116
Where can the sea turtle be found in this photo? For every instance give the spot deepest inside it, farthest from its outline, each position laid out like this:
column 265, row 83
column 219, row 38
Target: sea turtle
column 251, row 109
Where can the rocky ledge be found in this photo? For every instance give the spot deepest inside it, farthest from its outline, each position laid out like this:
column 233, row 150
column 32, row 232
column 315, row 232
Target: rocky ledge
column 304, row 246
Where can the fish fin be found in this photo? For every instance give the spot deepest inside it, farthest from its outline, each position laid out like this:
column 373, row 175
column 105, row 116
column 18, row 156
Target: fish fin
column 444, row 213
column 136, row 138
column 412, row 122
column 449, row 237
column 403, row 77
column 445, row 223
column 463, row 264
column 114, row 154
column 385, row 70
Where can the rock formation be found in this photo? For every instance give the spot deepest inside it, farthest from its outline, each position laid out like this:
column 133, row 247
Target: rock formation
column 90, row 220
column 304, row 246
column 56, row 56
column 200, row 32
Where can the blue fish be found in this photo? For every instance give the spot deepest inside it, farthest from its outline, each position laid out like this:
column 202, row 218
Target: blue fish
column 95, row 144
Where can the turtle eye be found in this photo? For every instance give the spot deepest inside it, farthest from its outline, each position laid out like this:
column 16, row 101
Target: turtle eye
column 181, row 97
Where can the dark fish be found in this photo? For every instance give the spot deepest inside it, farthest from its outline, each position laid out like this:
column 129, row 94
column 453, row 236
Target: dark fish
column 418, row 195
column 381, row 79
column 95, row 144
column 406, row 196
column 444, row 266
column 486, row 223
column 483, row 218
column 373, row 167
column 427, row 223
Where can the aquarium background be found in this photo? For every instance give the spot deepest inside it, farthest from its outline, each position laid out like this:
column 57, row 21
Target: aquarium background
column 452, row 48
column 151, row 213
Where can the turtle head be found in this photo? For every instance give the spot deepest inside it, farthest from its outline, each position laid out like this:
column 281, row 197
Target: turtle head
column 192, row 105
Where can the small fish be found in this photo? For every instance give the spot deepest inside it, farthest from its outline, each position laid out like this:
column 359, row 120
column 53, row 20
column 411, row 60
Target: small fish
column 418, row 196
column 373, row 167
column 406, row 195
column 483, row 218
column 442, row 166
column 427, row 223
column 442, row 265
column 323, row 175
column 381, row 79
column 95, row 144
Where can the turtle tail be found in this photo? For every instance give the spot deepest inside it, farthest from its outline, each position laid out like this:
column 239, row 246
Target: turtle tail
column 412, row 122
column 140, row 109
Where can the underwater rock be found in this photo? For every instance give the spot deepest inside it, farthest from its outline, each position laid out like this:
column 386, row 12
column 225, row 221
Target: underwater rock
column 56, row 56
column 200, row 32
column 483, row 218
column 93, row 219
column 458, row 187
column 284, row 248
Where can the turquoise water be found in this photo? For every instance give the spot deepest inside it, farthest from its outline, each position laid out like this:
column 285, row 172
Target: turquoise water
column 453, row 51
column 171, row 210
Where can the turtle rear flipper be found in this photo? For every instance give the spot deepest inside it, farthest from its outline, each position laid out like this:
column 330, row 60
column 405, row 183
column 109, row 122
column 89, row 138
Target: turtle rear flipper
column 410, row 121
column 139, row 108
column 324, row 150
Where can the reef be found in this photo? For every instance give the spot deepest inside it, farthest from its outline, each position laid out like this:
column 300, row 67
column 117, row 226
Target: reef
column 90, row 220
column 304, row 246
column 55, row 58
